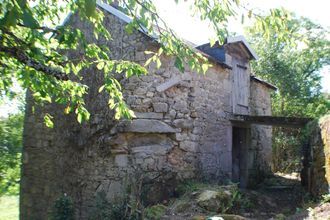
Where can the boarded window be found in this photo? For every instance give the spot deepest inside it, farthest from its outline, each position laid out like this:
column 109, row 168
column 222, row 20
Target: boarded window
column 241, row 85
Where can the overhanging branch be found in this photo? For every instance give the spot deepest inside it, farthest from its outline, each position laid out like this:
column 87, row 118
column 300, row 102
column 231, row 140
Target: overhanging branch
column 22, row 57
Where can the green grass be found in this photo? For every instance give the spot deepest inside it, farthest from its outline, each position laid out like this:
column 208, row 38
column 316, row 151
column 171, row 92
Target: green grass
column 9, row 208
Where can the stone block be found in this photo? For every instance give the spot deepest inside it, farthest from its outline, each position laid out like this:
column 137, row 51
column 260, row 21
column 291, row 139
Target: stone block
column 197, row 130
column 180, row 137
column 150, row 94
column 140, row 56
column 149, row 115
column 179, row 105
column 160, row 107
column 154, row 149
column 160, row 71
column 168, row 84
column 183, row 123
column 121, row 160
column 140, row 91
column 172, row 114
column 188, row 146
column 147, row 126
column 193, row 114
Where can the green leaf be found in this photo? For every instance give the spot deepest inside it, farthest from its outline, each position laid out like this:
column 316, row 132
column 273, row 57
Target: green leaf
column 10, row 18
column 205, row 67
column 178, row 64
column 100, row 65
column 28, row 19
column 90, row 8
column 101, row 88
column 129, row 28
column 79, row 117
column 48, row 121
column 212, row 42
column 148, row 61
column 158, row 63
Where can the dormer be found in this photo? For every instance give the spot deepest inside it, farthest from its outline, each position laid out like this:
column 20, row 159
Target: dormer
column 236, row 47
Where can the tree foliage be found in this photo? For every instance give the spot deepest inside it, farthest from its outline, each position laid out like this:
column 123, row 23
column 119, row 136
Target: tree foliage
column 294, row 67
column 11, row 129
column 33, row 44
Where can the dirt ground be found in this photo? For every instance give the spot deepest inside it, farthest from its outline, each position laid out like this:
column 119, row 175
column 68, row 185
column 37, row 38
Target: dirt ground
column 279, row 197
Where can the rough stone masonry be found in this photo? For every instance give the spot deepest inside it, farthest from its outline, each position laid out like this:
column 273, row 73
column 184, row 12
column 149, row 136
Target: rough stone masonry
column 182, row 130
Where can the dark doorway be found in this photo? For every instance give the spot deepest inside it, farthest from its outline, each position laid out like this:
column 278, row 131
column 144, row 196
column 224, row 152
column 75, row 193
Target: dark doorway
column 240, row 156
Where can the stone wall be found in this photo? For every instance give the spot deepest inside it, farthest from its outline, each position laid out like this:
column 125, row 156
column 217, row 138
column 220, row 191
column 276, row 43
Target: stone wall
column 316, row 172
column 181, row 132
column 261, row 135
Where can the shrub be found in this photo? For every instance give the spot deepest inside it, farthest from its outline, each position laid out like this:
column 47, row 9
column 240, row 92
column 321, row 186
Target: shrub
column 63, row 209
column 105, row 210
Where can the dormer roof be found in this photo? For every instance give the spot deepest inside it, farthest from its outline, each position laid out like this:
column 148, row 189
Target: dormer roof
column 241, row 43
column 233, row 46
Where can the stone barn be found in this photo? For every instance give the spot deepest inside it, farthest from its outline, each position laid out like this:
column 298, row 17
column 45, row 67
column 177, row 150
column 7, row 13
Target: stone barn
column 186, row 127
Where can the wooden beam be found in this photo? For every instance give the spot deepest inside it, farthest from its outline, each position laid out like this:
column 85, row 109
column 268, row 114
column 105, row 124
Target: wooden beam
column 271, row 120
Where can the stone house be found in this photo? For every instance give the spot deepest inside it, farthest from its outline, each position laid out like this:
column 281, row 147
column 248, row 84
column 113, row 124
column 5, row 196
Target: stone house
column 185, row 128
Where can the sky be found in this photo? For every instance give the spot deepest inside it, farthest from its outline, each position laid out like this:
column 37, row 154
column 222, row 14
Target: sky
column 191, row 28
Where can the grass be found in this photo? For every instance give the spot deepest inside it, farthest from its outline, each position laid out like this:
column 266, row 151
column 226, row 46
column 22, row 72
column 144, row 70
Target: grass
column 9, row 207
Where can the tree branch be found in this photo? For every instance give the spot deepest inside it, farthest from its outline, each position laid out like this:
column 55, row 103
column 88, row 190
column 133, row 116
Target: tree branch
column 22, row 57
column 42, row 28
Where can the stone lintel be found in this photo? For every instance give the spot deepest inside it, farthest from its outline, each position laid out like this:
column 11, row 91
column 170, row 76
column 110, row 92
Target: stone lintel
column 168, row 84
column 147, row 126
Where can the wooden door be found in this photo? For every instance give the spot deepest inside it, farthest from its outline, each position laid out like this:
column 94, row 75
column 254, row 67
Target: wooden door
column 240, row 156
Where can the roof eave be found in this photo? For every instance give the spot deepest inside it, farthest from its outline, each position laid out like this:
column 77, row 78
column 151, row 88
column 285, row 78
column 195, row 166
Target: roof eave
column 267, row 84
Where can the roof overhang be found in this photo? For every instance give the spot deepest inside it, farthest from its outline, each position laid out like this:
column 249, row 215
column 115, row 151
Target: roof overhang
column 241, row 40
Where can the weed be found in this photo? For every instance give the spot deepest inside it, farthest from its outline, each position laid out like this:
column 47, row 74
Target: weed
column 154, row 212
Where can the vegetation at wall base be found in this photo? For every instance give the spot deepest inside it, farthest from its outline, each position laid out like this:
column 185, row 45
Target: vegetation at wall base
column 63, row 209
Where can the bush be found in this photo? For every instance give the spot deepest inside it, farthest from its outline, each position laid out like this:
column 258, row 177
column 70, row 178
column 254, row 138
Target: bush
column 63, row 209
column 104, row 210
